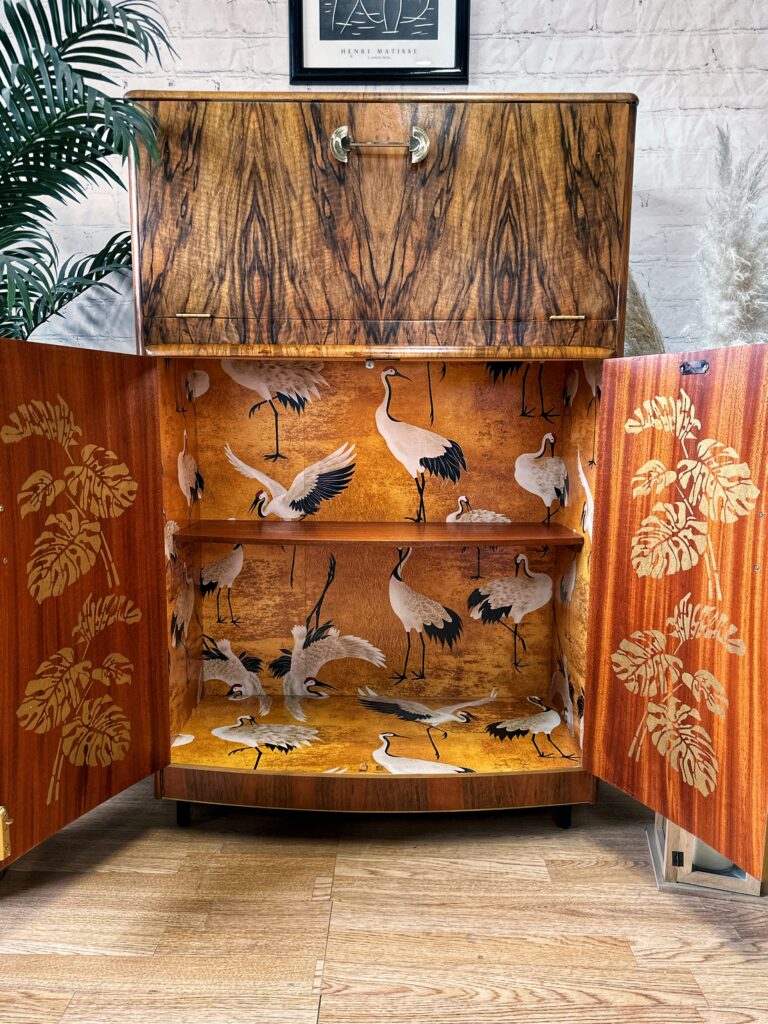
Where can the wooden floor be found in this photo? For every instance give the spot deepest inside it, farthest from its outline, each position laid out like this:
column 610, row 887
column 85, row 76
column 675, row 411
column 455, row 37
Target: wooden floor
column 255, row 918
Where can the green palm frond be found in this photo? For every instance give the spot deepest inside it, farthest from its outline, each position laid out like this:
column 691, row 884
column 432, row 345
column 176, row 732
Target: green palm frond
column 92, row 36
column 59, row 134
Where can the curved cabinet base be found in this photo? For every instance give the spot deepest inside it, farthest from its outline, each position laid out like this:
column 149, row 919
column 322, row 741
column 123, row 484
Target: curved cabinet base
column 394, row 795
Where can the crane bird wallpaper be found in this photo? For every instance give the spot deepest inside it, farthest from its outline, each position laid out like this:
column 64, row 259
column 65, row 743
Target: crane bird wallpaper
column 378, row 658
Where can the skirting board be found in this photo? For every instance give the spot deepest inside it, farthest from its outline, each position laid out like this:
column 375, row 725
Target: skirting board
column 687, row 889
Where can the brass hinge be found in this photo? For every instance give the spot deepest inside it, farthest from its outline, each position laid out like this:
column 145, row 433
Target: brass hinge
column 567, row 316
column 194, row 316
column 5, row 834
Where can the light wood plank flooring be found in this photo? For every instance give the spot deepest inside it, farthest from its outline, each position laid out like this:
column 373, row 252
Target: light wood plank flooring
column 257, row 918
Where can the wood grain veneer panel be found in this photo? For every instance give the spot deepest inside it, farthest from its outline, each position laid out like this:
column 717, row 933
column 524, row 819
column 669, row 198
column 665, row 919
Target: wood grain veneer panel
column 676, row 714
column 404, row 534
column 83, row 705
column 344, row 339
column 380, row 795
column 234, row 96
column 518, row 212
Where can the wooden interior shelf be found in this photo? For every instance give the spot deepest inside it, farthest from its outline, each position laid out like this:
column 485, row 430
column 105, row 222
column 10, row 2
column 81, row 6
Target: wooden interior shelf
column 230, row 531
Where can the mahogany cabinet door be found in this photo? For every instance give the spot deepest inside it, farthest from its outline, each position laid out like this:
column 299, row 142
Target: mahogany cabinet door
column 518, row 213
column 83, row 701
column 677, row 714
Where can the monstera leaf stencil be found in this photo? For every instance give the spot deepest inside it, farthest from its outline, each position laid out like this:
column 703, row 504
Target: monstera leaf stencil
column 52, row 420
column 37, row 490
column 714, row 487
column 99, row 487
column 704, row 622
column 652, row 478
column 96, row 485
column 98, row 735
column 674, row 415
column 63, row 552
column 708, row 487
column 54, row 692
column 643, row 664
column 96, row 616
column 102, row 484
column 718, row 484
column 677, row 734
column 95, row 730
column 668, row 541
column 648, row 667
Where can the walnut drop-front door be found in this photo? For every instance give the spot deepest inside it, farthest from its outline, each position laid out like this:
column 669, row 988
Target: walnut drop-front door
column 677, row 712
column 250, row 230
column 83, row 700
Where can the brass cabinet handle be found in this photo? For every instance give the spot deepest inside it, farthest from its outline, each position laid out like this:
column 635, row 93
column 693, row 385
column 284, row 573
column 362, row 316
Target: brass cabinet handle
column 342, row 142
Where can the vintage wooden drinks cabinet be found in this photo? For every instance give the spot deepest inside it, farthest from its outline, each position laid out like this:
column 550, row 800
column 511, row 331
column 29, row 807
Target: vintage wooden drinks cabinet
column 373, row 521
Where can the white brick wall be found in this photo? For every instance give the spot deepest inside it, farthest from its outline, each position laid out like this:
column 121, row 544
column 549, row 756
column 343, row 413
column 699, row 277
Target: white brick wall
column 694, row 64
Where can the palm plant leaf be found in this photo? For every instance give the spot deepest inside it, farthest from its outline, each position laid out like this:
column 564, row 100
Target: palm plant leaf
column 75, row 275
column 59, row 133
column 87, row 34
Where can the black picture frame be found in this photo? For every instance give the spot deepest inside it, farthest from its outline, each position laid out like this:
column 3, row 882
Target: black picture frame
column 458, row 74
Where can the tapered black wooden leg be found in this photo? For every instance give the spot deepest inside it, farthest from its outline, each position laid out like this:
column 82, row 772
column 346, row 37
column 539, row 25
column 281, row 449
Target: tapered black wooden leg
column 183, row 813
column 562, row 816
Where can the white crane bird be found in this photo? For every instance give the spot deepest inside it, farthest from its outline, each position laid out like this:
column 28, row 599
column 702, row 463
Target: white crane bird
column 588, row 510
column 544, row 476
column 512, row 597
column 255, row 735
column 544, row 723
column 414, row 711
column 567, row 583
column 313, row 649
column 191, row 479
column 317, row 483
column 421, row 614
column 593, row 371
column 466, row 514
column 169, row 533
column 183, row 610
column 412, row 765
column 500, row 369
column 221, row 575
column 418, row 450
column 293, row 385
column 240, row 671
column 561, row 686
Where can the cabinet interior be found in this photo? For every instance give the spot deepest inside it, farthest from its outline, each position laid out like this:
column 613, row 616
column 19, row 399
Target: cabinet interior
column 496, row 412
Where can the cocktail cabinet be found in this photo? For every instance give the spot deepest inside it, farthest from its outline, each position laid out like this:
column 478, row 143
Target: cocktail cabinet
column 377, row 518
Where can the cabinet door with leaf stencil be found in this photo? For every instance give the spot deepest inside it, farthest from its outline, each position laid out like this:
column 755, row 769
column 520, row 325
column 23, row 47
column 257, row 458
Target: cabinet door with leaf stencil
column 677, row 712
column 83, row 700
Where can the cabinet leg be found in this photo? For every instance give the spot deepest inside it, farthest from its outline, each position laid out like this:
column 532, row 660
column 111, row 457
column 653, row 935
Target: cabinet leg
column 562, row 816
column 183, row 813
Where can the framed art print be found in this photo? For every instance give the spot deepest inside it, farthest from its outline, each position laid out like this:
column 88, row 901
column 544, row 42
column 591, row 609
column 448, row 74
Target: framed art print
column 379, row 41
